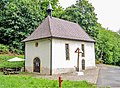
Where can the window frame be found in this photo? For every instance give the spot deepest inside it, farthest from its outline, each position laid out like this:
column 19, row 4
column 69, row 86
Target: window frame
column 36, row 44
column 67, row 51
column 83, row 50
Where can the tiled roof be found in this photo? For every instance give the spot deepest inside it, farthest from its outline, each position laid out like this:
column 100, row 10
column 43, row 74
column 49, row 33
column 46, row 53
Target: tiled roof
column 58, row 28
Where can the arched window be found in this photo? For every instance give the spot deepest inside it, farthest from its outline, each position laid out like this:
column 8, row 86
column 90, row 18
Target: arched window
column 83, row 64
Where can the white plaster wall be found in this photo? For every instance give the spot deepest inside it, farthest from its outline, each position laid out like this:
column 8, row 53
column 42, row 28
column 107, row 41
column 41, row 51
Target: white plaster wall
column 59, row 57
column 90, row 55
column 42, row 52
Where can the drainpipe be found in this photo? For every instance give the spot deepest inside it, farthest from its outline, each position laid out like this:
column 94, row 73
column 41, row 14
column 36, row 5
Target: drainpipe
column 50, row 56
column 24, row 57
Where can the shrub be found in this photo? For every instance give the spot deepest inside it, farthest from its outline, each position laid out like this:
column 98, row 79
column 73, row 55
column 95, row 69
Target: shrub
column 6, row 50
column 15, row 51
column 3, row 49
column 99, row 61
column 5, row 63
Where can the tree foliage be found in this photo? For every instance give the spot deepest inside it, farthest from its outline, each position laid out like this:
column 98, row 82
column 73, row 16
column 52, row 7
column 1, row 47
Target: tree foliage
column 108, row 48
column 3, row 49
column 83, row 13
column 19, row 18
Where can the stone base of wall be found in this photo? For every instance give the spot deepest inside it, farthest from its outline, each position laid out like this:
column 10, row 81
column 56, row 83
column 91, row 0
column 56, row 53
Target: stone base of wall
column 62, row 70
column 45, row 71
column 90, row 67
column 28, row 69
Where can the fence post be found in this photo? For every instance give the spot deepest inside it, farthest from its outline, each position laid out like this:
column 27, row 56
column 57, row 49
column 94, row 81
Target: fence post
column 60, row 82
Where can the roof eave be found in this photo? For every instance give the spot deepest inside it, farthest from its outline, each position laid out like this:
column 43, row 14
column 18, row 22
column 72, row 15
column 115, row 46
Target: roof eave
column 35, row 39
column 92, row 41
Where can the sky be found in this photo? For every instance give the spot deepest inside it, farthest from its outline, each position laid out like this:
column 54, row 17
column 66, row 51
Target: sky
column 108, row 12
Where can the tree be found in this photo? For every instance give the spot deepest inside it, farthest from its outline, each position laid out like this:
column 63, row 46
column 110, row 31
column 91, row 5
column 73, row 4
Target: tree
column 109, row 47
column 83, row 14
column 19, row 18
column 57, row 9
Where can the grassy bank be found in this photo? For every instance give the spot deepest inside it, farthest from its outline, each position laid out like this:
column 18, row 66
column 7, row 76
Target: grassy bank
column 5, row 63
column 30, row 82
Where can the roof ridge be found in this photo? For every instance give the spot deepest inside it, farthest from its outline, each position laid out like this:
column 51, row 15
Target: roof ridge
column 65, row 20
column 49, row 25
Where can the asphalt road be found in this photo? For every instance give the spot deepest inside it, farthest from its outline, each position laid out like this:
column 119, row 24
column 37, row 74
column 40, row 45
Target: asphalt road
column 109, row 76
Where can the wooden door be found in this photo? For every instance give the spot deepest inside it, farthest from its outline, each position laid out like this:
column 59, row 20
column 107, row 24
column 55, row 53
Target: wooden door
column 36, row 63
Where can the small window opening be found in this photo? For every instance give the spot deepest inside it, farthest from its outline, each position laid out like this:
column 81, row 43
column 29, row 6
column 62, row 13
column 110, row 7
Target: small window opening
column 67, row 51
column 83, row 49
column 36, row 44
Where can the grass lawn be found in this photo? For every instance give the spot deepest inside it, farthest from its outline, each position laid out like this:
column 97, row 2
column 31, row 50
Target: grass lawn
column 26, row 80
column 13, row 81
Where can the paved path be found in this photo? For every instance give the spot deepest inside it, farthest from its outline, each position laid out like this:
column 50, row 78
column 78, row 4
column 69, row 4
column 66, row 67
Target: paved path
column 90, row 75
column 109, row 76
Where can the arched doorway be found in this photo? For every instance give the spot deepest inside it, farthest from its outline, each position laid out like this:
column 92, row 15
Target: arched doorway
column 83, row 64
column 36, row 63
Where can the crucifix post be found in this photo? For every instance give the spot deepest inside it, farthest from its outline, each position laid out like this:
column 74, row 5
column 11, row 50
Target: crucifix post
column 78, row 52
column 78, row 59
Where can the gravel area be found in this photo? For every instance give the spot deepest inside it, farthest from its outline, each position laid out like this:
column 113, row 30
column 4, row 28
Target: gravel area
column 90, row 75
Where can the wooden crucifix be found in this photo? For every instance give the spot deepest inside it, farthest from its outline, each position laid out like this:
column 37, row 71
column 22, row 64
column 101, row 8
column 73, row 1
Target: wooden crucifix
column 78, row 51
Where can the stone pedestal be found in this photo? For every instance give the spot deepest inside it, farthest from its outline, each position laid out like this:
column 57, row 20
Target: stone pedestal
column 80, row 73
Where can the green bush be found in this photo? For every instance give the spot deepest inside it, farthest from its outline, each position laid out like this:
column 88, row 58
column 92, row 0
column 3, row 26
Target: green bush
column 7, row 49
column 5, row 63
column 15, row 51
column 3, row 49
column 99, row 61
